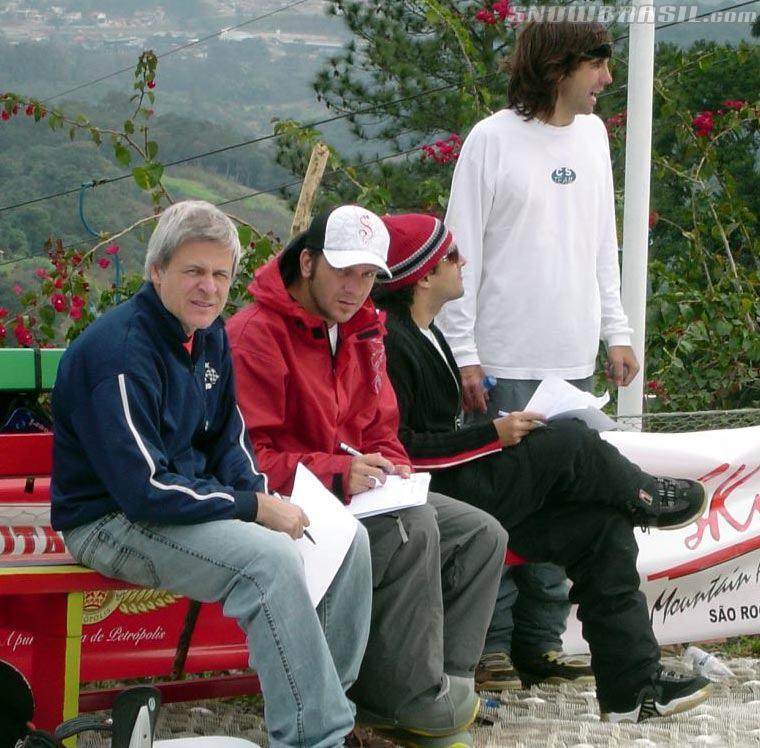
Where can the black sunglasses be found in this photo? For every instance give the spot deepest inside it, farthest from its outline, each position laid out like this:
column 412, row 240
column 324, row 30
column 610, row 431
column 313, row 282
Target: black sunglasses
column 452, row 255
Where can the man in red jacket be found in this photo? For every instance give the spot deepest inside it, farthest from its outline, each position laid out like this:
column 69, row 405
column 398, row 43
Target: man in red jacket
column 310, row 369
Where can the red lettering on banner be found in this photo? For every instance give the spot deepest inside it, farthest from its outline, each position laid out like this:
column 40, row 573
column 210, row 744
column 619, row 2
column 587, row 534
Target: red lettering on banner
column 709, row 476
column 718, row 506
column 53, row 541
column 705, row 562
column 7, row 540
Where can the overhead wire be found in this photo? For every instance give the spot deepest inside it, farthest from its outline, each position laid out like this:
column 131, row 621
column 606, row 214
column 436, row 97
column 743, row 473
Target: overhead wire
column 249, row 195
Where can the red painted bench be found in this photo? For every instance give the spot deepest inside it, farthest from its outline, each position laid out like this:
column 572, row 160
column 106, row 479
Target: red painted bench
column 62, row 624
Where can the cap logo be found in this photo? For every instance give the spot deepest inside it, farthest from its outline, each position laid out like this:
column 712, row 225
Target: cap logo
column 366, row 232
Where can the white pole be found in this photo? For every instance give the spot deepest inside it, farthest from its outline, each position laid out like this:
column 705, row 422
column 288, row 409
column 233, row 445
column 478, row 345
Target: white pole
column 638, row 145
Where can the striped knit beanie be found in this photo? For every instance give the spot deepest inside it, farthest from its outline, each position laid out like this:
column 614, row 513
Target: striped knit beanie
column 418, row 242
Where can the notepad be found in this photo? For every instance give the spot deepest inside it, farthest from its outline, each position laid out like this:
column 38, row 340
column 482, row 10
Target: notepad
column 332, row 527
column 555, row 398
column 395, row 493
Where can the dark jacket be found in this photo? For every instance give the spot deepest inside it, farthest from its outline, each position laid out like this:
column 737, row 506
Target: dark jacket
column 144, row 428
column 468, row 462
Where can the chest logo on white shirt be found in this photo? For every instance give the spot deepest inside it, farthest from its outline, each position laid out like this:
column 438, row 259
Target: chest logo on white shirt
column 563, row 175
column 210, row 376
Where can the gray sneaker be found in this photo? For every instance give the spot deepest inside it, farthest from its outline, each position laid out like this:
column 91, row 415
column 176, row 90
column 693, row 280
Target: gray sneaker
column 452, row 710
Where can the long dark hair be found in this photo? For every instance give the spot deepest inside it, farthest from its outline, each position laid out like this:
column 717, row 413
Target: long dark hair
column 545, row 52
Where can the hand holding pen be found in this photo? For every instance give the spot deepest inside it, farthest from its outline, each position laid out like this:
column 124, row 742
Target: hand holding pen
column 513, row 427
column 279, row 514
column 370, row 470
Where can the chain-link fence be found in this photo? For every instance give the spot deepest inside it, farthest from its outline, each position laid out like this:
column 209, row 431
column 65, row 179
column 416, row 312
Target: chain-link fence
column 701, row 420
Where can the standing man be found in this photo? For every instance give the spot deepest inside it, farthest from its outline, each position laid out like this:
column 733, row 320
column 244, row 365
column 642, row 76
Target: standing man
column 532, row 207
column 564, row 494
column 310, row 365
column 154, row 482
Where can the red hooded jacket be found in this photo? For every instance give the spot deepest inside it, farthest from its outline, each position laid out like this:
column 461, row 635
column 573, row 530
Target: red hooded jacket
column 298, row 400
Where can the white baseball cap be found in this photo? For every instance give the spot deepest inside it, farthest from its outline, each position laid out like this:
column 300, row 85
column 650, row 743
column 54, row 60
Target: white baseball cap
column 349, row 235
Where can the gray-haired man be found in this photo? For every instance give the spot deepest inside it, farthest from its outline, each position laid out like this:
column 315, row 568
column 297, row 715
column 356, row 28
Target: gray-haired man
column 154, row 482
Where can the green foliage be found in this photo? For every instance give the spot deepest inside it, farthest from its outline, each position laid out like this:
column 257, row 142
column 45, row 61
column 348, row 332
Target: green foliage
column 69, row 294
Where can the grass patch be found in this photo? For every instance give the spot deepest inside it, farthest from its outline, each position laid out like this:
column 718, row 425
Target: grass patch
column 191, row 188
column 743, row 646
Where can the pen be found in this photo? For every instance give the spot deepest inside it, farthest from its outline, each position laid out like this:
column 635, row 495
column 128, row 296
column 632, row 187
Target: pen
column 349, row 450
column 505, row 413
column 305, row 532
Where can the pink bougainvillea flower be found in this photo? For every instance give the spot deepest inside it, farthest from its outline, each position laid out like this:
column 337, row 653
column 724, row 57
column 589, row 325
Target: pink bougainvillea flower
column 58, row 300
column 29, row 110
column 654, row 217
column 3, row 331
column 77, row 301
column 485, row 16
column 151, row 83
column 23, row 335
column 104, row 262
column 736, row 104
column 17, row 288
column 442, row 151
column 5, row 115
column 703, row 124
column 112, row 249
column 58, row 283
column 615, row 121
column 75, row 313
column 3, row 312
column 41, row 273
column 503, row 9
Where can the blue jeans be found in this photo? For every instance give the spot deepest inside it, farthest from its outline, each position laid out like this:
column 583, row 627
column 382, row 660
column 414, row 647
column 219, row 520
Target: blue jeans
column 305, row 658
column 532, row 605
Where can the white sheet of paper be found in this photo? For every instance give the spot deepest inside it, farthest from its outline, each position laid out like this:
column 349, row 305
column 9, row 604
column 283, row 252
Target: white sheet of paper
column 332, row 527
column 395, row 493
column 555, row 398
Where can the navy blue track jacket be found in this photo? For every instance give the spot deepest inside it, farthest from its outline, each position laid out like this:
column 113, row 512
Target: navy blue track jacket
column 141, row 427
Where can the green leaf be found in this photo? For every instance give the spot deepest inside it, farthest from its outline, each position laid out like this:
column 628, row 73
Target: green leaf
column 122, row 154
column 129, row 126
column 95, row 135
column 47, row 315
column 141, row 177
column 147, row 177
column 245, row 235
column 151, row 149
column 722, row 327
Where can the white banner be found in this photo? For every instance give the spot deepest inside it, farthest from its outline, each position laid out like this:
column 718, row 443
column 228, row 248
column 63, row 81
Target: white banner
column 702, row 582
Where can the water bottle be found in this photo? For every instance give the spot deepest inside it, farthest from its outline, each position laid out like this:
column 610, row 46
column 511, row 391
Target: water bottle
column 488, row 382
column 706, row 664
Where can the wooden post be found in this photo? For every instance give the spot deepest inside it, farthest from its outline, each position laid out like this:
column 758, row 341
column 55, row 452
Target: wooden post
column 314, row 172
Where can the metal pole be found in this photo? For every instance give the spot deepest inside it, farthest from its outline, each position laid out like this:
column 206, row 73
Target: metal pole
column 638, row 146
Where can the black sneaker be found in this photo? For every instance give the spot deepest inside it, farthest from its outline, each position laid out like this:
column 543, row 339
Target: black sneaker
column 495, row 672
column 554, row 668
column 669, row 503
column 664, row 694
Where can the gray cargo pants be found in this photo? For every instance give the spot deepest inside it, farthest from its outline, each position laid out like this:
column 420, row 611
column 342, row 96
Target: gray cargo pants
column 435, row 574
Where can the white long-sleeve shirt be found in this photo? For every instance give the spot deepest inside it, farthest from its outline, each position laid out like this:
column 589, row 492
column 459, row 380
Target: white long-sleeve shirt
column 532, row 210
